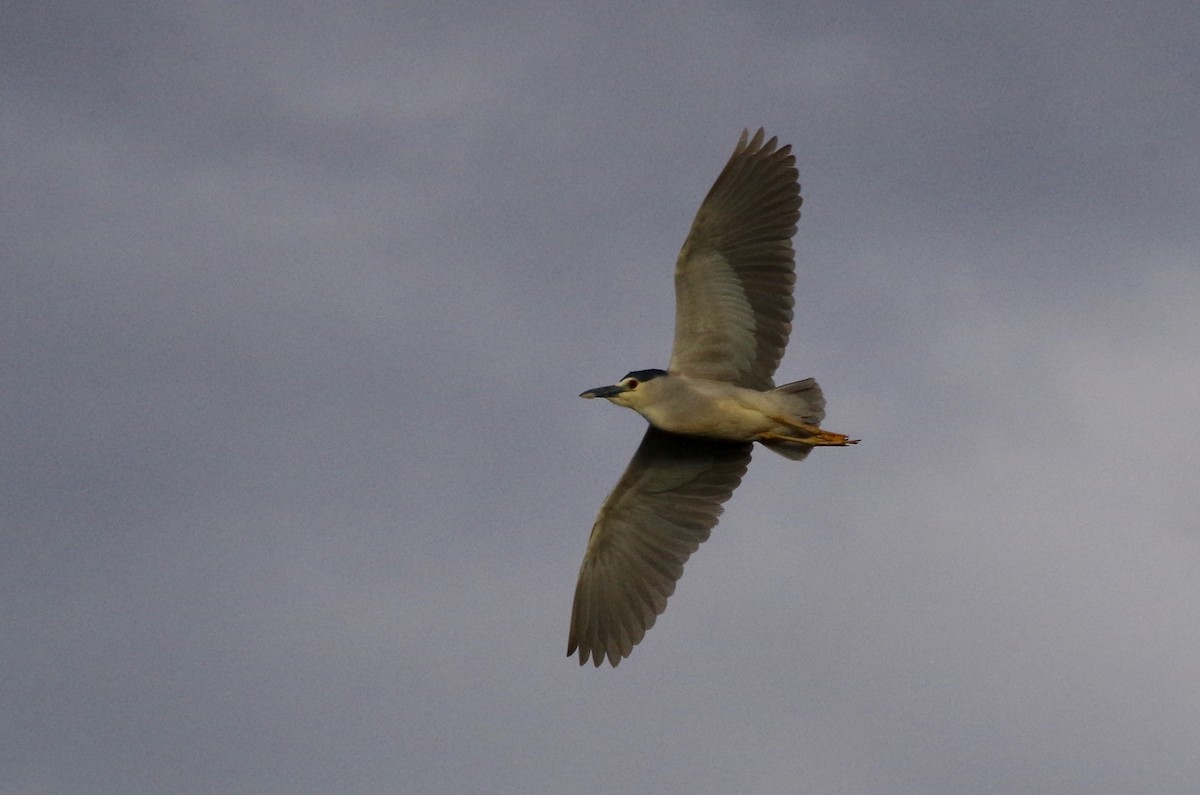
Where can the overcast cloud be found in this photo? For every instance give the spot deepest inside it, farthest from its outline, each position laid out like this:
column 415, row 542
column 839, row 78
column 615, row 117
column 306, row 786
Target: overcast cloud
column 294, row 481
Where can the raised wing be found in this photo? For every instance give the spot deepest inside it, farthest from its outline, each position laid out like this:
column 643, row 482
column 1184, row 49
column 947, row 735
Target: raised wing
column 660, row 511
column 735, row 273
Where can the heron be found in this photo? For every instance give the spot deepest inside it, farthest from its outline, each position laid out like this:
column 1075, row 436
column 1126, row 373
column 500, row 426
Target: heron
column 734, row 280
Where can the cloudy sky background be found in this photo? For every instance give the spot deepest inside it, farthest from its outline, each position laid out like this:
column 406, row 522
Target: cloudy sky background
column 297, row 300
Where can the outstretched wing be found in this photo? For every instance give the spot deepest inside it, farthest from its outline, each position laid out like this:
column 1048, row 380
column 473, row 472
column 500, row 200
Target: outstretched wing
column 735, row 273
column 660, row 511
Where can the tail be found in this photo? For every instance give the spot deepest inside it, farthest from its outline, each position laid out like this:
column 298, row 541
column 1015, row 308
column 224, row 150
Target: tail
column 806, row 403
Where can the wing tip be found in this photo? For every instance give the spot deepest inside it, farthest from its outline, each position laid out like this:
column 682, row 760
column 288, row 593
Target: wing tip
column 586, row 654
column 760, row 144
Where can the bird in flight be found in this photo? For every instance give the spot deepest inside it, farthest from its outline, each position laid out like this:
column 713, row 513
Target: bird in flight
column 733, row 315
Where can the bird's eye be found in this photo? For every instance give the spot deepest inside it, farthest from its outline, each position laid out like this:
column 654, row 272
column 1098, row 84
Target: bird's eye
column 631, row 383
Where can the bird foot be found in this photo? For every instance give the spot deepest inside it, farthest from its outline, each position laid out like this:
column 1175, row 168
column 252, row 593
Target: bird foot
column 817, row 437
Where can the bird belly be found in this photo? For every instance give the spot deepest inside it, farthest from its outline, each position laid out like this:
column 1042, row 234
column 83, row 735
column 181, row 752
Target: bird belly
column 729, row 417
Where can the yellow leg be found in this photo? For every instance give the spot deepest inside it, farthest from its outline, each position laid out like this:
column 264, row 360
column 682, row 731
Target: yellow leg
column 812, row 435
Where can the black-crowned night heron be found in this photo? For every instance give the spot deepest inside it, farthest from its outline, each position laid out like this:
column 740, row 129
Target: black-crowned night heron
column 733, row 315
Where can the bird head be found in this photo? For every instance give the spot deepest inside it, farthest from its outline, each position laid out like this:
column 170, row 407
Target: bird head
column 629, row 391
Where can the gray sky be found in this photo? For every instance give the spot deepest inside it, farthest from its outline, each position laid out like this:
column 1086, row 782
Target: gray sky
column 295, row 483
